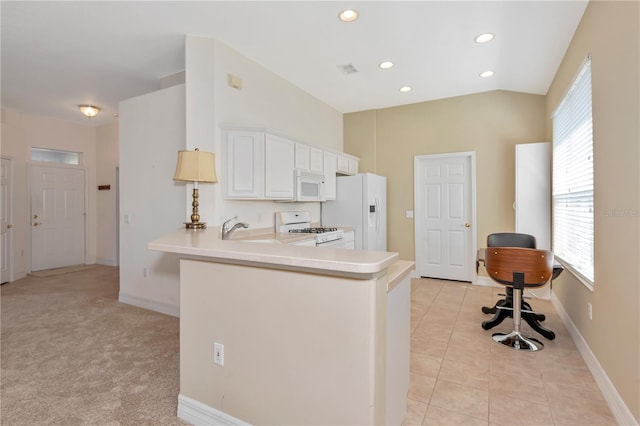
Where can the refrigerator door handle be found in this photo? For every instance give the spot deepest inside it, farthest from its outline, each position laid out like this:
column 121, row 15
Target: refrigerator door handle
column 377, row 203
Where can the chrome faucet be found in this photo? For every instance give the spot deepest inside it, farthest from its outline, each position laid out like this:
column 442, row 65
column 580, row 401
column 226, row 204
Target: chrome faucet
column 226, row 232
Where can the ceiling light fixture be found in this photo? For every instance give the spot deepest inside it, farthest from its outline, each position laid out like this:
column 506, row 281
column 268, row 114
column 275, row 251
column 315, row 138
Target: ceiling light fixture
column 486, row 74
column 386, row 65
column 405, row 89
column 348, row 15
column 89, row 111
column 483, row 38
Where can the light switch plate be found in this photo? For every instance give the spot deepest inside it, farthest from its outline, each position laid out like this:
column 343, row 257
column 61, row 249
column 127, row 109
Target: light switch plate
column 218, row 353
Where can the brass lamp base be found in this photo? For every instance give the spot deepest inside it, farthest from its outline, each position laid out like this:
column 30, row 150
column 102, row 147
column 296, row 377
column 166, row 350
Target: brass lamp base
column 195, row 217
column 195, row 225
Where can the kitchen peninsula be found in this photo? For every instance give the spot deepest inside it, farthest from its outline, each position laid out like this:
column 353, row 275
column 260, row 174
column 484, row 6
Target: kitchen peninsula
column 309, row 335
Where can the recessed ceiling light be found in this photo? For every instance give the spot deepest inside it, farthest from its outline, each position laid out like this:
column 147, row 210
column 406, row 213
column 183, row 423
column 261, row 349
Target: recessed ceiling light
column 486, row 74
column 385, row 65
column 348, row 15
column 483, row 38
column 405, row 89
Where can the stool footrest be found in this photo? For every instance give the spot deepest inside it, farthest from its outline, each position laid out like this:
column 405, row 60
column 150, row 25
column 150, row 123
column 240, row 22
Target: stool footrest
column 506, row 308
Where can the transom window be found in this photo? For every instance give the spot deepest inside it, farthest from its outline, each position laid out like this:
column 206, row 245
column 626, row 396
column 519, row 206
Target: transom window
column 55, row 156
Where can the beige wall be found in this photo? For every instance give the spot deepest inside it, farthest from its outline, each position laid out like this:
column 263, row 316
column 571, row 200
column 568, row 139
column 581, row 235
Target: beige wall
column 99, row 147
column 107, row 154
column 489, row 123
column 266, row 100
column 21, row 132
column 14, row 147
column 609, row 31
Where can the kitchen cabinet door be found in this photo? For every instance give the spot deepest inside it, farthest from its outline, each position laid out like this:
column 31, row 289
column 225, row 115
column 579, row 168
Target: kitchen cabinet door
column 343, row 165
column 316, row 160
column 347, row 165
column 308, row 158
column 279, row 156
column 353, row 166
column 244, row 165
column 303, row 157
column 329, row 166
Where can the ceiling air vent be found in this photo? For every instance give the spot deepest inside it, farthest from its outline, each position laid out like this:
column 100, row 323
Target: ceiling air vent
column 348, row 69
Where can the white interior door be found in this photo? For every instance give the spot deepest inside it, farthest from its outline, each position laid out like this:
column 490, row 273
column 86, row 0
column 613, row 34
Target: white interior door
column 5, row 219
column 444, row 216
column 57, row 217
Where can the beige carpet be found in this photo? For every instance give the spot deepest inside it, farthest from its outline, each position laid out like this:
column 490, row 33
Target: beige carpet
column 71, row 354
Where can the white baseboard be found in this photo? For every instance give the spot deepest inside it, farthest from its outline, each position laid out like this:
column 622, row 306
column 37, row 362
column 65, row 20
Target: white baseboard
column 18, row 276
column 618, row 408
column 198, row 413
column 164, row 308
column 107, row 262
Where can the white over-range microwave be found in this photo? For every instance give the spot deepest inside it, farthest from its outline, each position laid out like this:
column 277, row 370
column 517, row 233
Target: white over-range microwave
column 308, row 186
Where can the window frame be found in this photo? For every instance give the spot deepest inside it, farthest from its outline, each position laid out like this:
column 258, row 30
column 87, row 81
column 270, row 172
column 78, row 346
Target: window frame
column 78, row 154
column 569, row 265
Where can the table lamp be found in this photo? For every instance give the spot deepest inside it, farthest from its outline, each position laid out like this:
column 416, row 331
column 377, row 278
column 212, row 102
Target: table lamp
column 195, row 166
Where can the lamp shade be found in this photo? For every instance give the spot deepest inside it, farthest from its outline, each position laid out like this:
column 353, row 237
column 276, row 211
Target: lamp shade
column 196, row 166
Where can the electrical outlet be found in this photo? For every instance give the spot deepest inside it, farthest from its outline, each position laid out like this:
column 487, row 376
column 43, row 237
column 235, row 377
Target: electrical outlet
column 145, row 272
column 590, row 310
column 218, row 353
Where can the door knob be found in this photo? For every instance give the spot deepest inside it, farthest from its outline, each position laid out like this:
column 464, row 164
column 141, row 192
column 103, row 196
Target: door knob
column 35, row 216
column 35, row 224
column 467, row 225
column 9, row 226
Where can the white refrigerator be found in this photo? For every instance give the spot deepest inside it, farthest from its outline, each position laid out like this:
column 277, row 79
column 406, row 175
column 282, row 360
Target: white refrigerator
column 361, row 203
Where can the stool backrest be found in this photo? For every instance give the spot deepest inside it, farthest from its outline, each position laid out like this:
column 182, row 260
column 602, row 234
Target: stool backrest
column 511, row 239
column 502, row 262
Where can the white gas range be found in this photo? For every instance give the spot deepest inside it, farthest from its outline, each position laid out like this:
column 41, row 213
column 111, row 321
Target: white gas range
column 300, row 222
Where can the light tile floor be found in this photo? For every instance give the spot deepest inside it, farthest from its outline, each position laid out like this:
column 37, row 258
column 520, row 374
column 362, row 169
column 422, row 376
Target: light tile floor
column 460, row 376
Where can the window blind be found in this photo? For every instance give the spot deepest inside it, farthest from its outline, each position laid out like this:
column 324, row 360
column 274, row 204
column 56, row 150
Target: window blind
column 573, row 177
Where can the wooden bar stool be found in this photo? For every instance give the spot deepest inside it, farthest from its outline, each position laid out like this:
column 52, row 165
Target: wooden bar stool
column 518, row 268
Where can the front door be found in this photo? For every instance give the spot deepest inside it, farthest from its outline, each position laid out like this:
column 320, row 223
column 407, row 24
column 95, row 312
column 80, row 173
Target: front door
column 444, row 216
column 5, row 219
column 57, row 217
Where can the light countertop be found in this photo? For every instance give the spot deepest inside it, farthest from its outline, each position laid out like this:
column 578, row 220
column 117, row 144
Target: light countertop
column 278, row 254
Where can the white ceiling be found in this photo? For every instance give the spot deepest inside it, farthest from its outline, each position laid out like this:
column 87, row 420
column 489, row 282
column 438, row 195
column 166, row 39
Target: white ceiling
column 56, row 55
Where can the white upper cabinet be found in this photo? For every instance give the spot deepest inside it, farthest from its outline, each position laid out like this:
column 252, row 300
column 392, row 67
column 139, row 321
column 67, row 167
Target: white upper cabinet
column 316, row 160
column 244, row 164
column 309, row 158
column 279, row 161
column 347, row 164
column 260, row 165
column 330, row 164
column 353, row 166
column 302, row 157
